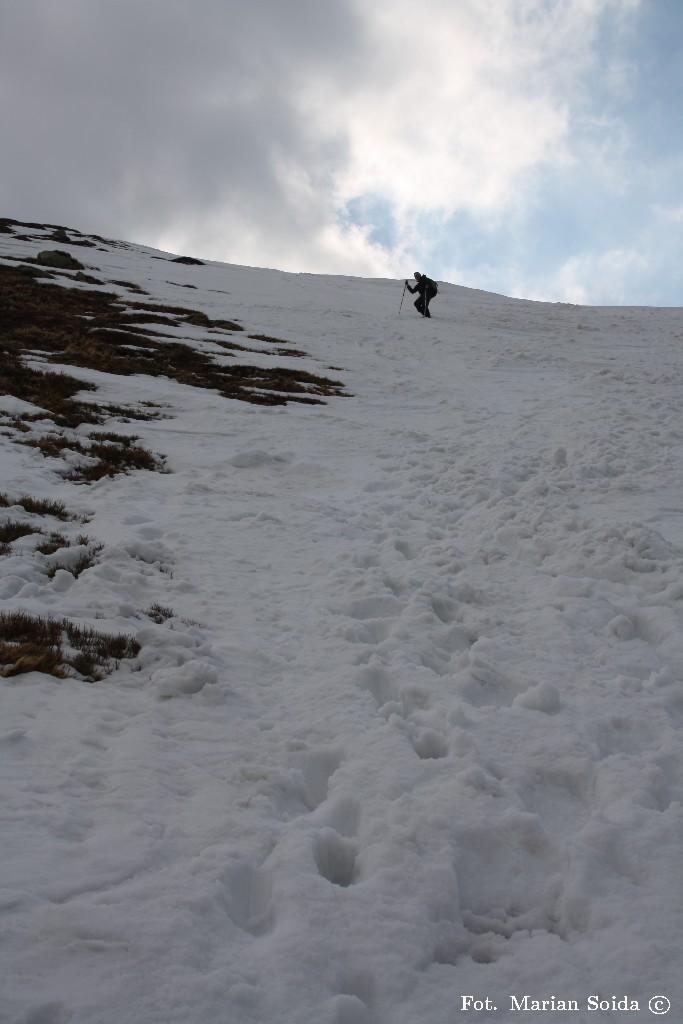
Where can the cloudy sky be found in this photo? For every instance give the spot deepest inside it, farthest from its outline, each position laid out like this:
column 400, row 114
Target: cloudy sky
column 531, row 147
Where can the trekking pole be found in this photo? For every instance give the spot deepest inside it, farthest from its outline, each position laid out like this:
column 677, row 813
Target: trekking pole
column 404, row 291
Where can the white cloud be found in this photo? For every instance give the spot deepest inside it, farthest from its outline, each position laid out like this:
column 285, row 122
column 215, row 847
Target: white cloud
column 451, row 120
column 669, row 214
column 465, row 102
column 425, row 132
column 594, row 278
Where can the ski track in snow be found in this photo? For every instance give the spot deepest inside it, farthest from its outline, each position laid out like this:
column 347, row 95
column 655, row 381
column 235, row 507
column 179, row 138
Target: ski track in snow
column 415, row 728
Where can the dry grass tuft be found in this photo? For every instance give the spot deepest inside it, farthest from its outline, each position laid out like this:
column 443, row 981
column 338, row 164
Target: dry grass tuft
column 159, row 613
column 38, row 506
column 59, row 647
column 86, row 560
column 54, row 542
column 12, row 530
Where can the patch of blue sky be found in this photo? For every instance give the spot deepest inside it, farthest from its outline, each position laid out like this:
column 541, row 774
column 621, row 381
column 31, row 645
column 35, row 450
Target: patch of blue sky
column 573, row 209
column 374, row 213
column 466, row 249
column 573, row 237
column 466, row 240
column 653, row 106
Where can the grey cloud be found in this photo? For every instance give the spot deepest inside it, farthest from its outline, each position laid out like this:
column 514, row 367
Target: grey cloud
column 125, row 117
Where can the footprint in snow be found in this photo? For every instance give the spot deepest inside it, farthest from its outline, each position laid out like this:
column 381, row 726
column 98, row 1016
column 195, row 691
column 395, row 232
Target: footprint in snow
column 354, row 1003
column 247, row 897
column 318, row 767
column 335, row 856
column 430, row 745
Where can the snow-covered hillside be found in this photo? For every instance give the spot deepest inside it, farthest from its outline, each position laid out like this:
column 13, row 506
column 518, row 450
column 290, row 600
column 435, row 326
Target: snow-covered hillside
column 404, row 726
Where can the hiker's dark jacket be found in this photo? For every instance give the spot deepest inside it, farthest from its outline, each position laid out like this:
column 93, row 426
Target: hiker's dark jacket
column 425, row 284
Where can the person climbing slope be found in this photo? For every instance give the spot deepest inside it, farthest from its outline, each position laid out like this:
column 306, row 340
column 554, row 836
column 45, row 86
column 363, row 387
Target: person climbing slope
column 427, row 290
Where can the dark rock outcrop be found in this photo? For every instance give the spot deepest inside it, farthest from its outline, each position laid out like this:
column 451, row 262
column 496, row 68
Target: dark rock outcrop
column 58, row 258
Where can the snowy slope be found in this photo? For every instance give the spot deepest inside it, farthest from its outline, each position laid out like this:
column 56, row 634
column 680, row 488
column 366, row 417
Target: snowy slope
column 413, row 731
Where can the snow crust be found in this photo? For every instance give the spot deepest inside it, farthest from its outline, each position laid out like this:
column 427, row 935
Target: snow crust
column 414, row 728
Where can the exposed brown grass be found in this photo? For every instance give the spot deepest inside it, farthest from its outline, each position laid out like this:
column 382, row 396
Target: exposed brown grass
column 159, row 613
column 38, row 506
column 98, row 330
column 290, row 352
column 114, row 453
column 86, row 561
column 131, row 287
column 267, row 338
column 12, row 530
column 53, row 392
column 125, row 413
column 53, row 542
column 59, row 647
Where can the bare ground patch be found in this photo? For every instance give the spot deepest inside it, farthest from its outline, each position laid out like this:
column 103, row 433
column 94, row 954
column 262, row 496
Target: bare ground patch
column 100, row 331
